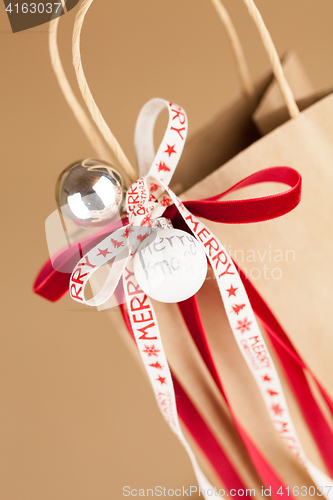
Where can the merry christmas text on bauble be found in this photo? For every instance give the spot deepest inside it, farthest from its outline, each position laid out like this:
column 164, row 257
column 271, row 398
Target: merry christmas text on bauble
column 170, row 265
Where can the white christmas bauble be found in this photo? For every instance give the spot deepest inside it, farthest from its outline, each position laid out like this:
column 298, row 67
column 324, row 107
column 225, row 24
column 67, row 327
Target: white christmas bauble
column 170, row 265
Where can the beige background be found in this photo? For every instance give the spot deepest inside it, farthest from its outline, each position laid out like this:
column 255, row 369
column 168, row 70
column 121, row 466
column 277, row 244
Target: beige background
column 78, row 420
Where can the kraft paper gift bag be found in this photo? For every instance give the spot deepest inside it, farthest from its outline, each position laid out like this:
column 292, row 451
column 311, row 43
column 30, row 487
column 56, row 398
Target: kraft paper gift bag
column 271, row 111
column 227, row 133
column 229, row 438
column 243, row 121
column 288, row 261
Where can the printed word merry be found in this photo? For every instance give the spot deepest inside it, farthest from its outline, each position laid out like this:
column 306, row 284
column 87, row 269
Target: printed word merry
column 221, row 262
column 138, row 307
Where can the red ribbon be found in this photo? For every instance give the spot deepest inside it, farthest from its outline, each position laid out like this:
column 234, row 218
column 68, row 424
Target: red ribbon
column 255, row 209
column 52, row 283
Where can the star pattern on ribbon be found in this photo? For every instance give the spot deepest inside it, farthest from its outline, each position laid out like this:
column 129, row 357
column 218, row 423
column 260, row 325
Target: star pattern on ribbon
column 161, row 380
column 104, row 252
column 232, row 291
column 277, row 409
column 170, row 149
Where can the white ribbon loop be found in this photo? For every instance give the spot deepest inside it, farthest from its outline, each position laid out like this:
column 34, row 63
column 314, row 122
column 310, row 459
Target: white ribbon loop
column 163, row 165
column 145, row 201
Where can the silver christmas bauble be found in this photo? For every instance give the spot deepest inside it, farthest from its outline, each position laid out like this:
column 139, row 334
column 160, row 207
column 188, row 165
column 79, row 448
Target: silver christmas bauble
column 90, row 192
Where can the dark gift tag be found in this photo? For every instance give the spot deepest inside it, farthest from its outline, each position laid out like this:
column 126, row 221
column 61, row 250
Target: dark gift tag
column 25, row 15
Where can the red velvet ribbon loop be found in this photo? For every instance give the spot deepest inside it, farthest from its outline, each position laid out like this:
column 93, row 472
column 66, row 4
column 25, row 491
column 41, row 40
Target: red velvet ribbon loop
column 255, row 209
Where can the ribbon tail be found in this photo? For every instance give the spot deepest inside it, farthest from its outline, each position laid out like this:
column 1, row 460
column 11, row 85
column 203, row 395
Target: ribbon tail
column 321, row 479
column 148, row 339
column 296, row 372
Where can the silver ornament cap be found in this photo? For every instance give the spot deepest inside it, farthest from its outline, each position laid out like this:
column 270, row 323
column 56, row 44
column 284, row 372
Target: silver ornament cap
column 90, row 192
